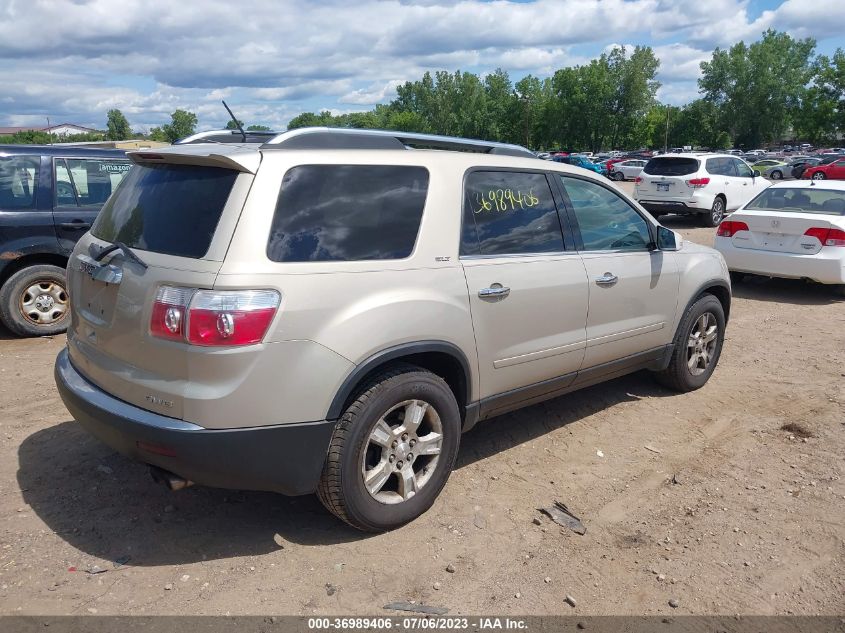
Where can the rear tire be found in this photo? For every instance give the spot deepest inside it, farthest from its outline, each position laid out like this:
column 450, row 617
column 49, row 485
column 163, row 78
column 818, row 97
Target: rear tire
column 697, row 346
column 375, row 441
column 618, row 176
column 776, row 175
column 716, row 214
column 34, row 301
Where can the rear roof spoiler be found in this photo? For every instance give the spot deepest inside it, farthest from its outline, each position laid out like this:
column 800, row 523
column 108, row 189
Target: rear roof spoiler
column 245, row 160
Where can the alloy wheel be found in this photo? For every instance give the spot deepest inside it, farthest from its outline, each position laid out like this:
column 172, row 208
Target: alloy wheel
column 701, row 344
column 402, row 451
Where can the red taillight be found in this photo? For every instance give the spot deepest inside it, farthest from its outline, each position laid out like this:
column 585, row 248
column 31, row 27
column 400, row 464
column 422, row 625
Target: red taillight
column 213, row 318
column 730, row 228
column 169, row 311
column 828, row 237
column 638, row 180
column 698, row 183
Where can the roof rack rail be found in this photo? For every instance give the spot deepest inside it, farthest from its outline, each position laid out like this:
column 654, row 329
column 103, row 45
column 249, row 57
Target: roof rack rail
column 355, row 138
column 253, row 137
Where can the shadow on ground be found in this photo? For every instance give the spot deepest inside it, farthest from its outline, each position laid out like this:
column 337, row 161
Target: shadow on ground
column 108, row 507
column 794, row 291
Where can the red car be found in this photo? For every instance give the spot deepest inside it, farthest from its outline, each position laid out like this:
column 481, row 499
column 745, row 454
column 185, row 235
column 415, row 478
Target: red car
column 834, row 170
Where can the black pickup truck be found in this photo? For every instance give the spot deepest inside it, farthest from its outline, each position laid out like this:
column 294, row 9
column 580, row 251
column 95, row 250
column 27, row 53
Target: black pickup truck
column 49, row 196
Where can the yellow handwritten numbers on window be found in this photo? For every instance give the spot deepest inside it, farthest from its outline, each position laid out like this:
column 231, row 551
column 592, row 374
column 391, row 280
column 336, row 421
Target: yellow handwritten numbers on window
column 502, row 200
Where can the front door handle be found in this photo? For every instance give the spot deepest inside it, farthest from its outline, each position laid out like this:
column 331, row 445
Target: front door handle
column 76, row 225
column 494, row 291
column 607, row 279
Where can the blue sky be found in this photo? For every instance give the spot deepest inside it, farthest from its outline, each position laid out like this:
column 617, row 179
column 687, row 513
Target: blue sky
column 272, row 59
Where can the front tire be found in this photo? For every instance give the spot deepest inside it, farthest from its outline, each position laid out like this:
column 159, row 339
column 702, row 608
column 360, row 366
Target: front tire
column 776, row 175
column 819, row 175
column 392, row 450
column 697, row 346
column 34, row 301
column 716, row 214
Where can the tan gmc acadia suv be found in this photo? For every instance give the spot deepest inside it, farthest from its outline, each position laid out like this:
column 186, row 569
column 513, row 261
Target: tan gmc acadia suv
column 327, row 311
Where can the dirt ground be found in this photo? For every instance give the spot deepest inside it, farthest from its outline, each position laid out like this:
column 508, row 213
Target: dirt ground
column 700, row 498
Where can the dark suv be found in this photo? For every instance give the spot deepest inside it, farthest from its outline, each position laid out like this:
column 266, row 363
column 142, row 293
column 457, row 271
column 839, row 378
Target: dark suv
column 49, row 196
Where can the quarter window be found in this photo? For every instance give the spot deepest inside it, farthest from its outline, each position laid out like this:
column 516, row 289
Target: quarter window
column 509, row 213
column 18, row 182
column 347, row 213
column 605, row 220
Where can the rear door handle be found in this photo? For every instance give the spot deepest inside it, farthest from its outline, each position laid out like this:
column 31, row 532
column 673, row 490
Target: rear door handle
column 495, row 290
column 76, row 225
column 607, row 279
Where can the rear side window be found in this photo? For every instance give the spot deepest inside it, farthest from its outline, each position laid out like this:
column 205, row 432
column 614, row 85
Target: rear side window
column 720, row 166
column 509, row 213
column 18, row 182
column 347, row 213
column 169, row 209
column 671, row 166
column 89, row 181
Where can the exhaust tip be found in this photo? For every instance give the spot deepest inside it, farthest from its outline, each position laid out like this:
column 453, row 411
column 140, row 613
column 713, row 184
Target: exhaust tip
column 168, row 479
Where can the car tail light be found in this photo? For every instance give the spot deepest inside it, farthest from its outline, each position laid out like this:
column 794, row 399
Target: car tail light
column 698, row 183
column 236, row 317
column 213, row 317
column 828, row 237
column 169, row 312
column 638, row 180
column 730, row 228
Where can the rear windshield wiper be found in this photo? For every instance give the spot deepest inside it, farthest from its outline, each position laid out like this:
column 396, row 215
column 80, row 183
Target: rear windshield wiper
column 123, row 248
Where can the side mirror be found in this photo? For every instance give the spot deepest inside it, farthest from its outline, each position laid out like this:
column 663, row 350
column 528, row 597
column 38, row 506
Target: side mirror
column 668, row 240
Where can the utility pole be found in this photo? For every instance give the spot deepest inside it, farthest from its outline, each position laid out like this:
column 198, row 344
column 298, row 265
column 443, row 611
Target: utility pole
column 666, row 136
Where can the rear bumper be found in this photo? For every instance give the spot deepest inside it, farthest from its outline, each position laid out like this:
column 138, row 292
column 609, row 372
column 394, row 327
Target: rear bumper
column 823, row 267
column 671, row 206
column 286, row 458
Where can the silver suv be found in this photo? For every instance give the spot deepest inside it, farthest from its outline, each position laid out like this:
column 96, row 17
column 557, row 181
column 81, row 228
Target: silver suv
column 329, row 310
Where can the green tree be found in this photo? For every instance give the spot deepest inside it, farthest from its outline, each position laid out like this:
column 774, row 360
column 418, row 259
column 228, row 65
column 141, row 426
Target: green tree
column 257, row 128
column 182, row 124
column 758, row 88
column 117, row 126
column 231, row 125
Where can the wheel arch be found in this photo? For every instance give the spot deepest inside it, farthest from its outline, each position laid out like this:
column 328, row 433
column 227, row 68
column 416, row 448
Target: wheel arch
column 32, row 259
column 720, row 289
column 442, row 358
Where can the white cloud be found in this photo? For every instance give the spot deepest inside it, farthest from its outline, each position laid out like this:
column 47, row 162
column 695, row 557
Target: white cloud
column 150, row 56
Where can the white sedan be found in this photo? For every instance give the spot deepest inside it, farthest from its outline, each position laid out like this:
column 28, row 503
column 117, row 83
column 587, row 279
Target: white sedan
column 627, row 169
column 792, row 229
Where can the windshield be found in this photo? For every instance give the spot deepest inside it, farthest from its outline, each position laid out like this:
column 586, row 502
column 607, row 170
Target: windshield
column 671, row 166
column 800, row 200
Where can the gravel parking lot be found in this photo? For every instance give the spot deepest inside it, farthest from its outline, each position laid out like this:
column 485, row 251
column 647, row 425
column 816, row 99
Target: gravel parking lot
column 727, row 500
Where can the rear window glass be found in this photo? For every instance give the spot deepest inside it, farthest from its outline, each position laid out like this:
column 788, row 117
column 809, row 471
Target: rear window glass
column 671, row 166
column 800, row 200
column 169, row 209
column 18, row 182
column 347, row 213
